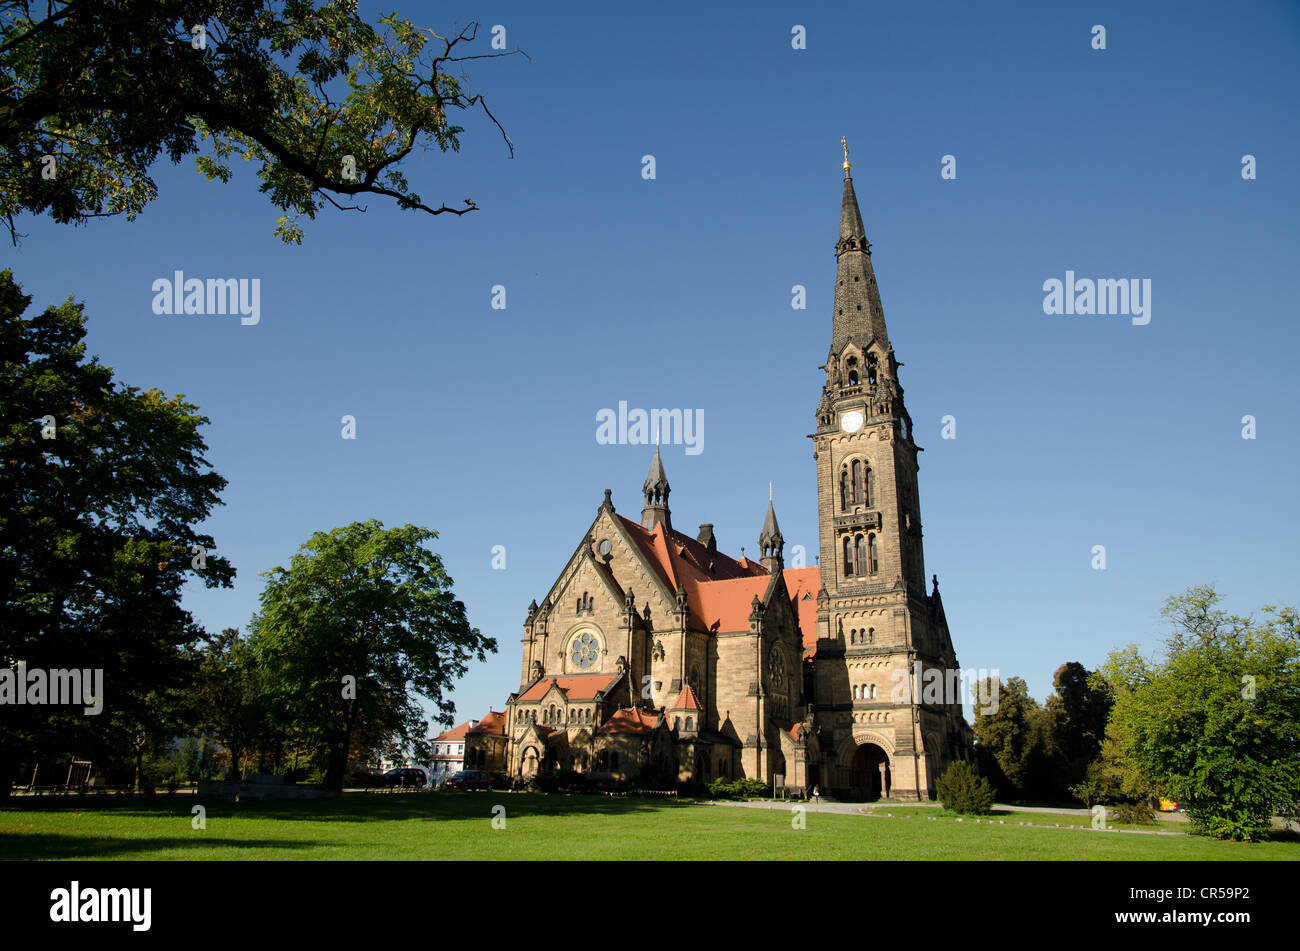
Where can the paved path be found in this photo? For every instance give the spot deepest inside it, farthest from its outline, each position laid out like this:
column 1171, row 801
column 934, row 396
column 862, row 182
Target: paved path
column 857, row 808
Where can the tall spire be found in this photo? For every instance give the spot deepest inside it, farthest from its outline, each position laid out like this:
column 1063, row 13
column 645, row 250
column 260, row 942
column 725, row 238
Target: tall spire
column 656, row 491
column 859, row 315
column 770, row 542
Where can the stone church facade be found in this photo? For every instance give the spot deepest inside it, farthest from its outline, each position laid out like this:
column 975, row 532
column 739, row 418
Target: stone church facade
column 654, row 653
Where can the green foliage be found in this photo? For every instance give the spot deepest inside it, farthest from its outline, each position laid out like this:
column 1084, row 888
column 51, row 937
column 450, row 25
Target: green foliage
column 1136, row 813
column 1075, row 719
column 1091, row 788
column 97, row 531
column 738, row 789
column 363, row 618
column 961, row 790
column 1009, row 740
column 324, row 103
column 560, row 781
column 1216, row 723
column 186, row 764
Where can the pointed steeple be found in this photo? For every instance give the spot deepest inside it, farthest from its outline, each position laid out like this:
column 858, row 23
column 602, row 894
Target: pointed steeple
column 859, row 315
column 656, row 491
column 770, row 542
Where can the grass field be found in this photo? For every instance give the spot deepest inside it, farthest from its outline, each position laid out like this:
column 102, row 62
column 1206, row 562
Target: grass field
column 459, row 826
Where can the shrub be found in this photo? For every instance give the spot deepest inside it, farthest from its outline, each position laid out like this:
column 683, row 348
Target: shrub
column 1091, row 789
column 1139, row 813
column 739, row 789
column 962, row 791
column 559, row 780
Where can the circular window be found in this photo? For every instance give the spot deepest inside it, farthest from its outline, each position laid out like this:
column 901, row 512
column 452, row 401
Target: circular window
column 585, row 650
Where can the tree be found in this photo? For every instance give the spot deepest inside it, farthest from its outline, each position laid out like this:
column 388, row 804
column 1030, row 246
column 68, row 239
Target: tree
column 228, row 694
column 102, row 490
column 1076, row 714
column 1008, row 744
column 961, row 789
column 362, row 617
column 1216, row 723
column 325, row 103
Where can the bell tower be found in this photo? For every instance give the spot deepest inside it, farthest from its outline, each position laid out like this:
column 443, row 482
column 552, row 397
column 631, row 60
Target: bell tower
column 875, row 620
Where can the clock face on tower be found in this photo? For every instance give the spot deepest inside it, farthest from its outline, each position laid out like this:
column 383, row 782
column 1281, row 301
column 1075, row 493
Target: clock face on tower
column 851, row 422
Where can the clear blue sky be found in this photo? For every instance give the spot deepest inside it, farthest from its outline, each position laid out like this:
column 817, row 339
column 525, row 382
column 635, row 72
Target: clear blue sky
column 480, row 423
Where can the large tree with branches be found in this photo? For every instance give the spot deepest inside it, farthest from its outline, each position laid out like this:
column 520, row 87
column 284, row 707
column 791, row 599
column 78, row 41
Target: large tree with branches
column 327, row 104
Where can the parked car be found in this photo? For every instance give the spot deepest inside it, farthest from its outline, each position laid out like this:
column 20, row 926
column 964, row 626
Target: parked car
column 468, row 779
column 407, row 777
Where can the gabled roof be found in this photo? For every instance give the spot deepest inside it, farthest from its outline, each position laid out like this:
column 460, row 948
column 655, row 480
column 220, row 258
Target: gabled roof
column 494, row 722
column 455, row 733
column 686, row 700
column 680, row 559
column 577, row 687
column 720, row 600
column 634, row 722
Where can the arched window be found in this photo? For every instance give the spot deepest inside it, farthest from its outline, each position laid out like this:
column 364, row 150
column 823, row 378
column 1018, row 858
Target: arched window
column 677, row 723
column 844, row 489
column 690, row 723
column 873, row 564
column 855, row 692
column 871, row 369
column 869, row 488
column 862, row 561
column 873, row 691
column 848, row 556
column 871, row 635
column 858, row 494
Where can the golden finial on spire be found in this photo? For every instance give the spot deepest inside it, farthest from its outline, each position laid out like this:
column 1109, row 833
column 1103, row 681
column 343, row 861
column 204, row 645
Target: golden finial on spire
column 769, row 492
column 847, row 166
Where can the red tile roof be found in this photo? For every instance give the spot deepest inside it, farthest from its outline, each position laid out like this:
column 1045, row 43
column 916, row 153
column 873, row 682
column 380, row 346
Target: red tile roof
column 577, row 687
column 634, row 721
column 721, row 599
column 686, row 700
column 494, row 722
column 456, row 733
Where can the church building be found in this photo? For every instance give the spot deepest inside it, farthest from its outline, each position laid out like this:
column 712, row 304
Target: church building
column 656, row 654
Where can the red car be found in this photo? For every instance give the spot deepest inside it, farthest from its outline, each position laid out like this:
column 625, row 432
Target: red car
column 468, row 779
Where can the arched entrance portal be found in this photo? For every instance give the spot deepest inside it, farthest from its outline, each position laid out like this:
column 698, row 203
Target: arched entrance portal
column 869, row 773
column 528, row 767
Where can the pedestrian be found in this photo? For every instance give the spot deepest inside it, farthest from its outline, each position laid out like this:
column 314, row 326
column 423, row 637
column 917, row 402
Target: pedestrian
column 817, row 794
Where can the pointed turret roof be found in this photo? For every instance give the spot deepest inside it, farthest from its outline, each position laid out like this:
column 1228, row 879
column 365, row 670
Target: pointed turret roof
column 686, row 700
column 859, row 315
column 771, row 535
column 656, row 477
column 850, row 216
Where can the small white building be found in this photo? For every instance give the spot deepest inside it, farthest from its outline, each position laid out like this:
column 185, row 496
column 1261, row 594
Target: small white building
column 449, row 752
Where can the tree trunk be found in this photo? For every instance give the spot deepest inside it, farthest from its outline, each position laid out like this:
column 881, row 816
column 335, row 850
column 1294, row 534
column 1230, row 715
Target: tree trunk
column 338, row 765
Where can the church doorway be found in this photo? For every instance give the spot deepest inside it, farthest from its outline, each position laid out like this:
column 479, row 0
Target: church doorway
column 529, row 765
column 869, row 773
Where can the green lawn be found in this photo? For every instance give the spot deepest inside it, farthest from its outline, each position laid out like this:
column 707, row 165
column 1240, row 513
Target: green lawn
column 459, row 826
